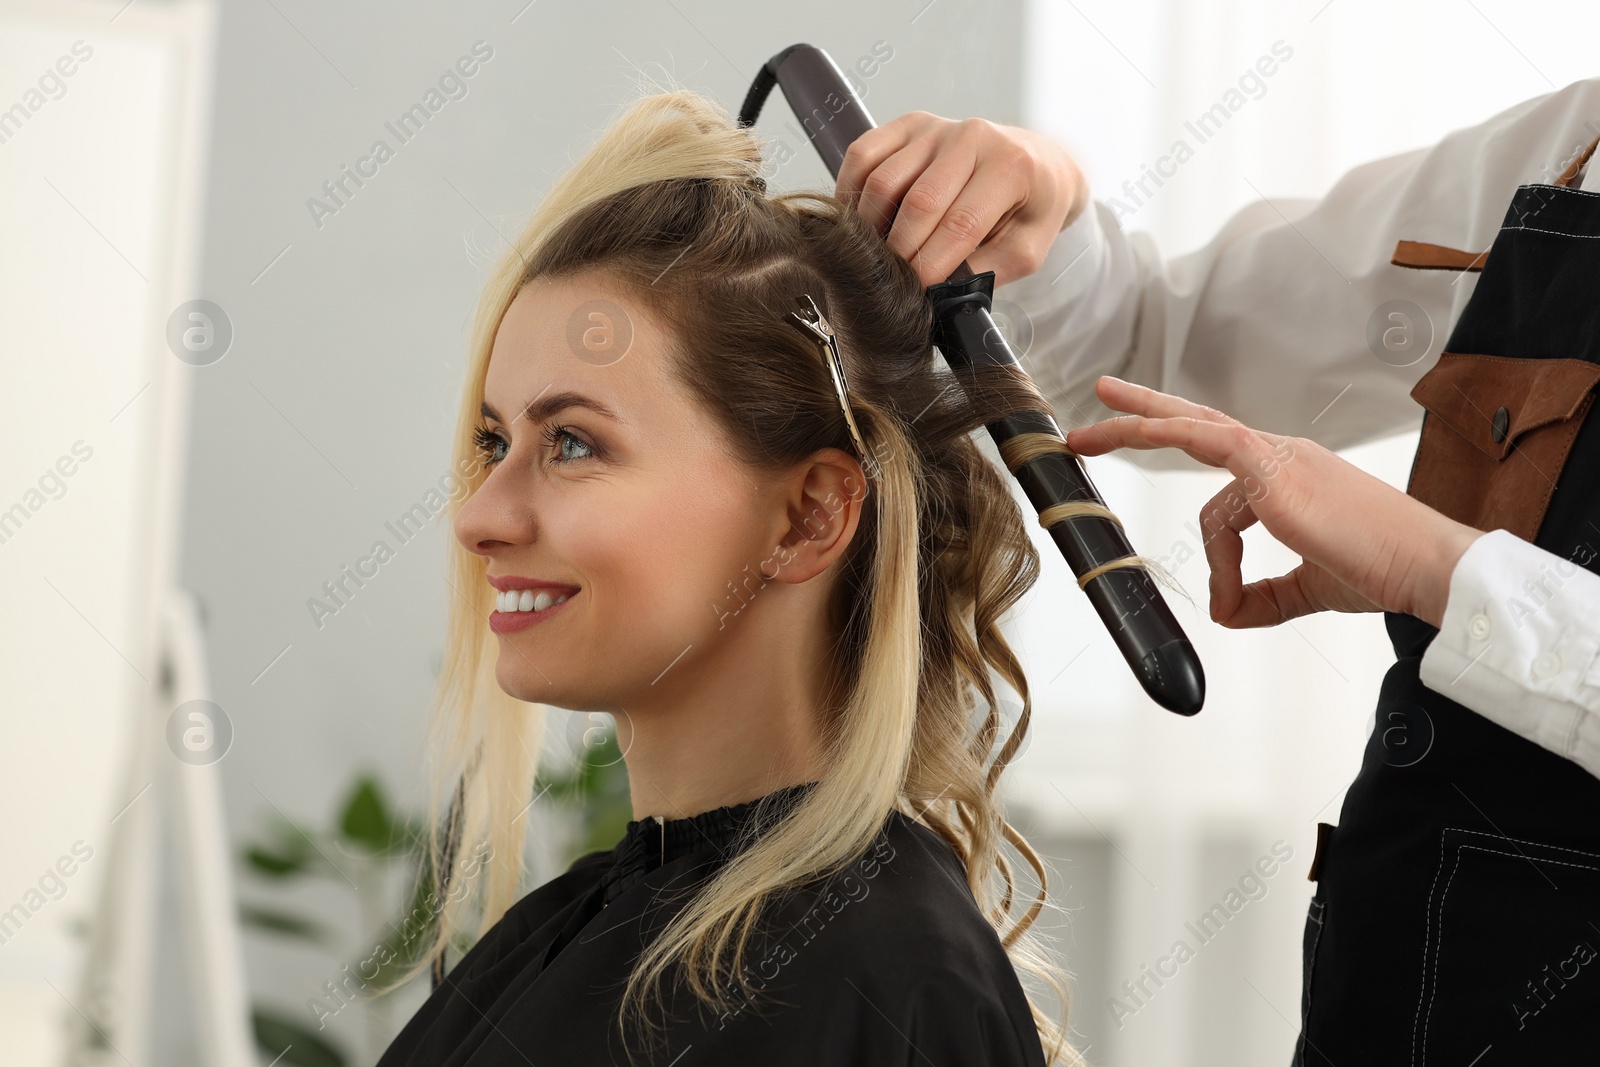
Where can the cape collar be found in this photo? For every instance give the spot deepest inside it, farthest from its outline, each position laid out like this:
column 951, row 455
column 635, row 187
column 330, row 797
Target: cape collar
column 649, row 843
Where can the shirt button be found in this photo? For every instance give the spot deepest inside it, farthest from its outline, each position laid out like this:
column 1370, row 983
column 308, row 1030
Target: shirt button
column 1479, row 627
column 1547, row 664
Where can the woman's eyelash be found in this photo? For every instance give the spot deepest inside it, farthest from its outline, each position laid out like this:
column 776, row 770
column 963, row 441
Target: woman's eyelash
column 553, row 436
column 487, row 441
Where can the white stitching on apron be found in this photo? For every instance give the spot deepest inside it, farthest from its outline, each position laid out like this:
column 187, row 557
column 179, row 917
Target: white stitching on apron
column 1459, row 850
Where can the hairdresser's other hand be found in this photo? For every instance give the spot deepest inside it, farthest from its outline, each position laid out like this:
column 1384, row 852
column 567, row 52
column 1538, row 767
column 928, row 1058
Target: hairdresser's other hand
column 963, row 189
column 1365, row 545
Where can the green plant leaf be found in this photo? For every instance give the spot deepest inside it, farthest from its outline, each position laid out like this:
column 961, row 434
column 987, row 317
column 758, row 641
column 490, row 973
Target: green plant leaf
column 289, row 851
column 281, row 922
column 293, row 1042
column 366, row 819
column 274, row 864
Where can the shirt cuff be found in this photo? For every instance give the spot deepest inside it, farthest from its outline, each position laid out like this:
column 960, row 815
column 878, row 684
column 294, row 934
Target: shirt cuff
column 1520, row 644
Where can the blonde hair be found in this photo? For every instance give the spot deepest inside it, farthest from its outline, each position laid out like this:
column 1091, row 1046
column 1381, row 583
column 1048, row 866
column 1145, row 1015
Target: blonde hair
column 941, row 551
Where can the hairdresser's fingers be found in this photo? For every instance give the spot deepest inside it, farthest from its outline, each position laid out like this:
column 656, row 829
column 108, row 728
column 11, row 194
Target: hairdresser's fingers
column 945, row 200
column 1108, row 435
column 1145, row 403
column 1232, row 445
column 1002, row 215
column 881, row 164
column 880, row 200
column 944, row 218
column 1307, row 589
column 1222, row 519
column 1120, row 431
column 1055, row 192
column 942, row 191
column 1303, row 591
column 1004, row 220
column 1015, row 248
column 866, row 152
column 1234, row 604
column 979, row 178
column 1121, row 395
column 1269, row 602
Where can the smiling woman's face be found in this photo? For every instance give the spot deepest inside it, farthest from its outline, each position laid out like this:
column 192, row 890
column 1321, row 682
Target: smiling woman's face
column 641, row 515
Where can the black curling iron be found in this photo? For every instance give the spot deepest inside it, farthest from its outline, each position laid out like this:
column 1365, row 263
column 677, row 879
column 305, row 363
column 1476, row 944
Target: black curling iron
column 1089, row 536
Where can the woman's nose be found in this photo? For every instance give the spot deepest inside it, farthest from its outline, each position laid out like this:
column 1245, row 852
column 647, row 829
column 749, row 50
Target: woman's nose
column 494, row 516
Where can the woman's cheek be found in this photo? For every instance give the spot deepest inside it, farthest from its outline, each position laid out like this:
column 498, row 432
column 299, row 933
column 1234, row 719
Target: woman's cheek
column 658, row 573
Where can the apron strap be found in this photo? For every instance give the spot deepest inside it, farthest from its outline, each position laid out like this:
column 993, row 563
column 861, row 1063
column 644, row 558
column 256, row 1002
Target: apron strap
column 1420, row 255
column 1577, row 164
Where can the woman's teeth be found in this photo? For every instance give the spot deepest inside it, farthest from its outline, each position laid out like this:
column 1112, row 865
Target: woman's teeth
column 527, row 600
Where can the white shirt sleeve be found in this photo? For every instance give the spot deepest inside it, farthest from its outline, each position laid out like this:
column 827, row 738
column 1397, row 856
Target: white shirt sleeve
column 1268, row 321
column 1520, row 644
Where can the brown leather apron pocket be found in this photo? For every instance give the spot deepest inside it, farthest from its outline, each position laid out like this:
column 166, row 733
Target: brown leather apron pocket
column 1496, row 435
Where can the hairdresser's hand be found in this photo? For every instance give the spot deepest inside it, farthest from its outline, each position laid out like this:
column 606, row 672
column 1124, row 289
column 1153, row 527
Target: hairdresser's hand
column 1366, row 545
column 963, row 189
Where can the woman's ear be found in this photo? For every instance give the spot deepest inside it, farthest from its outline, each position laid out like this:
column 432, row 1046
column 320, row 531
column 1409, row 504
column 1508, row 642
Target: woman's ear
column 823, row 499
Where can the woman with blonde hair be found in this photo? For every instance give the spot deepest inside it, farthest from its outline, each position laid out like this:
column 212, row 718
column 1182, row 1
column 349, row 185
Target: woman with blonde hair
column 721, row 491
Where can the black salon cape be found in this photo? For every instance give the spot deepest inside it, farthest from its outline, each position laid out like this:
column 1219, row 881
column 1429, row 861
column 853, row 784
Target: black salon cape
column 889, row 962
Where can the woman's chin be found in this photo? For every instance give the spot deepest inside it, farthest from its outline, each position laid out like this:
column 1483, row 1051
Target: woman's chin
column 521, row 680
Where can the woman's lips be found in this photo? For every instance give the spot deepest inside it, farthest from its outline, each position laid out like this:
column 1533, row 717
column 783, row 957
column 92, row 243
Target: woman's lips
column 505, row 622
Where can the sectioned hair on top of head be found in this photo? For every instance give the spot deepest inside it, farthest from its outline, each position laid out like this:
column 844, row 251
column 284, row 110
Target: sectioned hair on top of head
column 671, row 204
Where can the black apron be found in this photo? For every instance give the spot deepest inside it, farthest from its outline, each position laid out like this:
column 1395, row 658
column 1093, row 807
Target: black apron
column 1456, row 920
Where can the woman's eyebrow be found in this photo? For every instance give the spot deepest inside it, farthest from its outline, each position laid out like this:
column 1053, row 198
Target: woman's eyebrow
column 543, row 407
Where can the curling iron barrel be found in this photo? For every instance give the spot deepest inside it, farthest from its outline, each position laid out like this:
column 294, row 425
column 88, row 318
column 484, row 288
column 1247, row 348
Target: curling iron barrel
column 1031, row 444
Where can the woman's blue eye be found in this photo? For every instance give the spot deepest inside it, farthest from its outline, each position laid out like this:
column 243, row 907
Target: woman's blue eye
column 558, row 435
column 491, row 444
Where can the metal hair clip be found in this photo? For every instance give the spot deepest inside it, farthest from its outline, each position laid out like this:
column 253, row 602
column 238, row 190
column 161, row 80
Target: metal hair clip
column 810, row 322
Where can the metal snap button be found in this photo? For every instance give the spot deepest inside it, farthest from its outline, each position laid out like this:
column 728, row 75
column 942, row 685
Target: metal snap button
column 1547, row 664
column 1479, row 627
column 1502, row 423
